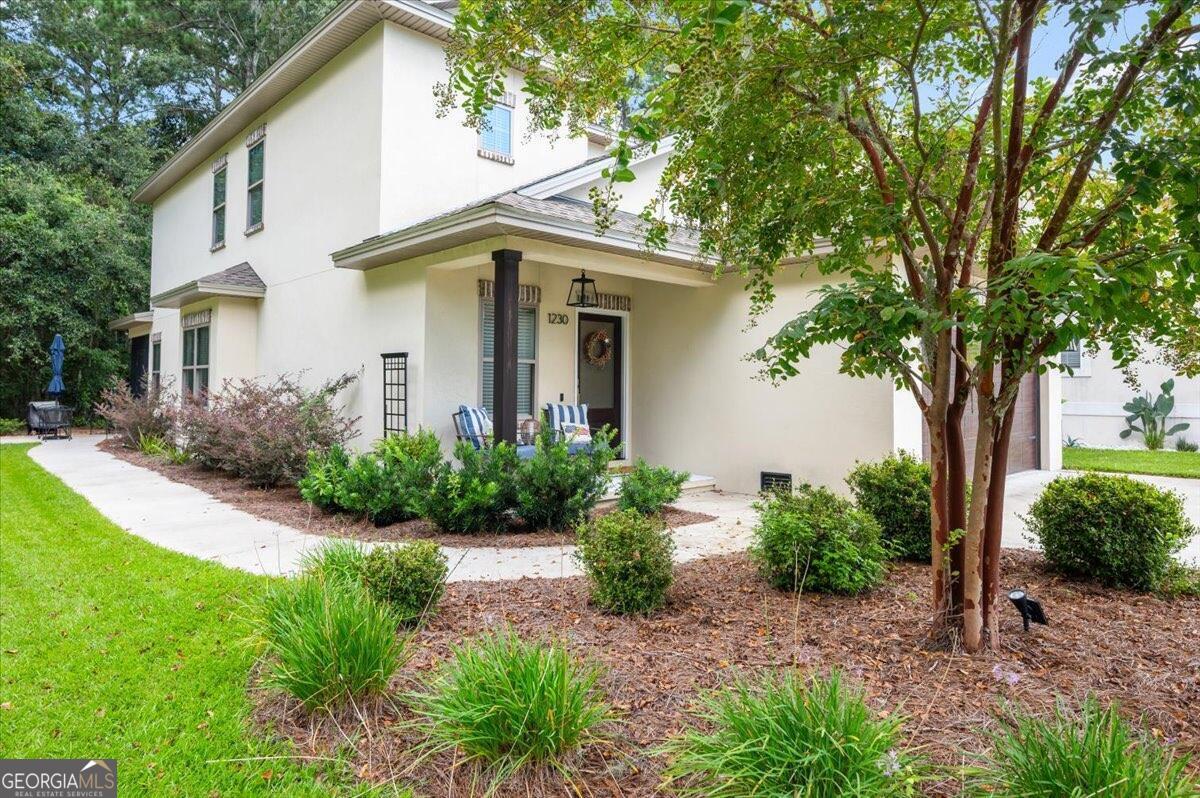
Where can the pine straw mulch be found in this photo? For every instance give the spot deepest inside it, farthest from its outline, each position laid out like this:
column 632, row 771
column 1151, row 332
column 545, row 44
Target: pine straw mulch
column 722, row 620
column 283, row 505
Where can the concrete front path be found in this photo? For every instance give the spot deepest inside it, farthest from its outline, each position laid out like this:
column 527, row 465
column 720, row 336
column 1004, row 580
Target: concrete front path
column 187, row 520
column 1024, row 488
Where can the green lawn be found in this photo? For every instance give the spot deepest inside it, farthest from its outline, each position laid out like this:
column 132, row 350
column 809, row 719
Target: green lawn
column 1134, row 461
column 113, row 647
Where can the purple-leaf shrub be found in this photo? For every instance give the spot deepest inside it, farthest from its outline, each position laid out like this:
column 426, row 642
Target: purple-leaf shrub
column 154, row 413
column 263, row 430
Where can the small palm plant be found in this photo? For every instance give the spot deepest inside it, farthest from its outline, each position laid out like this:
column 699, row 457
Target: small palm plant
column 1150, row 417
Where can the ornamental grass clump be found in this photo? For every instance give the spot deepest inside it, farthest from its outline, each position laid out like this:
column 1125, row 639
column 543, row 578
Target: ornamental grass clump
column 627, row 559
column 813, row 540
column 1118, row 531
column 335, row 562
column 329, row 642
column 507, row 704
column 1090, row 753
column 648, row 489
column 788, row 736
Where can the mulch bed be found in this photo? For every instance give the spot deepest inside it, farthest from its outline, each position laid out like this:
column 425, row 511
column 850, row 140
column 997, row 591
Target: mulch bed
column 723, row 619
column 283, row 505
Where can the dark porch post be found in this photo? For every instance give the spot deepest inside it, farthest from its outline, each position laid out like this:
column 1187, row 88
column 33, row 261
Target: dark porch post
column 504, row 400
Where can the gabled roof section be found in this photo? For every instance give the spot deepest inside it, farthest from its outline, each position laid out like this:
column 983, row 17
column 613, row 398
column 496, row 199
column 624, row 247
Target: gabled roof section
column 337, row 31
column 236, row 281
column 586, row 172
column 559, row 219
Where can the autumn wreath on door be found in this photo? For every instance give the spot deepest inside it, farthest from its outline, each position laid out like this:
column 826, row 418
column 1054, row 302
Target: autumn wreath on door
column 598, row 348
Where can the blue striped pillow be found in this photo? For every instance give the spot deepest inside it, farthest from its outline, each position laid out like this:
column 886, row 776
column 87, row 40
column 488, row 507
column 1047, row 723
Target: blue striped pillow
column 560, row 414
column 477, row 425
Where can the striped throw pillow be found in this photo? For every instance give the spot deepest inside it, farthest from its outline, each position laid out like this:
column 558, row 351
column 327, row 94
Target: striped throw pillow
column 560, row 415
column 477, row 425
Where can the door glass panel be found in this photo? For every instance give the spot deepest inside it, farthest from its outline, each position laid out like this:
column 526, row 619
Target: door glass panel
column 597, row 364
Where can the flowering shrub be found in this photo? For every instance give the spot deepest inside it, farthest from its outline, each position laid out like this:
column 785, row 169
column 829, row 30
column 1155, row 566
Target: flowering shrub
column 263, row 431
column 153, row 414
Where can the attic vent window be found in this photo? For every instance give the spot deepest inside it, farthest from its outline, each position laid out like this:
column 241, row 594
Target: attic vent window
column 774, row 481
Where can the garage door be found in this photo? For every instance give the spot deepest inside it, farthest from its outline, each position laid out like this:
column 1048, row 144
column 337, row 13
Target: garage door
column 1023, row 448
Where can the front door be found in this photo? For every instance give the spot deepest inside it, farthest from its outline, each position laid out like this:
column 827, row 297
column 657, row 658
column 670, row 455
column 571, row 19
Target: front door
column 600, row 370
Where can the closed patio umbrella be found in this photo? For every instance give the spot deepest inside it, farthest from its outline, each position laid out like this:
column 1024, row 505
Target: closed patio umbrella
column 58, row 351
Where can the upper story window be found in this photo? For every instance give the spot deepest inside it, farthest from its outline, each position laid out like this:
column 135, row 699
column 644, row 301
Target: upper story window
column 218, row 206
column 254, row 188
column 1076, row 359
column 495, row 136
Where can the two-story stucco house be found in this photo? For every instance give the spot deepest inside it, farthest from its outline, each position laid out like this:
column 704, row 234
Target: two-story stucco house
column 328, row 217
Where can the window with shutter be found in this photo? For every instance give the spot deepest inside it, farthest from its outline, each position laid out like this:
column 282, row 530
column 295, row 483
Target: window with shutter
column 526, row 356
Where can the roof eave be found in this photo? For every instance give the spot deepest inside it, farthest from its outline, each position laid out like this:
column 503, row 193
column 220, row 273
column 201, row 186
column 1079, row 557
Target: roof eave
column 199, row 290
column 132, row 320
column 495, row 218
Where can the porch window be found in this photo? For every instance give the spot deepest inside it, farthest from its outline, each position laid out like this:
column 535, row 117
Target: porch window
column 254, row 189
column 195, row 362
column 526, row 356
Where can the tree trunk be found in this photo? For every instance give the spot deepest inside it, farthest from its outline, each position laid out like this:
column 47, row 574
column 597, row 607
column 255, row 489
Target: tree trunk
column 940, row 528
column 956, row 465
column 973, row 542
column 993, row 528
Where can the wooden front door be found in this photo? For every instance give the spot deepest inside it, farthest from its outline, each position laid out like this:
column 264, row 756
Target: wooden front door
column 600, row 370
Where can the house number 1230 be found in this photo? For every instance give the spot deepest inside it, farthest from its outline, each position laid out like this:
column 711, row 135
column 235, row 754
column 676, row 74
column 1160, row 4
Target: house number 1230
column 557, row 318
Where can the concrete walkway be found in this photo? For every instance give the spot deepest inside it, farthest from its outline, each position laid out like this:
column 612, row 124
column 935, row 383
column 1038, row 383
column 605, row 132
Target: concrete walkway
column 187, row 520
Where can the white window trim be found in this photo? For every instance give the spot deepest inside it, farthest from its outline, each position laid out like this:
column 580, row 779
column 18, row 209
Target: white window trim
column 533, row 397
column 254, row 228
column 193, row 367
column 508, row 101
column 214, row 244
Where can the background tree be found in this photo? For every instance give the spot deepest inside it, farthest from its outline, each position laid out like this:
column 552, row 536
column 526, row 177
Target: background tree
column 94, row 95
column 1020, row 210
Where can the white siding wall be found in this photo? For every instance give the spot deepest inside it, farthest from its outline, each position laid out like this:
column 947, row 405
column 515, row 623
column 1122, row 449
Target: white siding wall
column 1091, row 410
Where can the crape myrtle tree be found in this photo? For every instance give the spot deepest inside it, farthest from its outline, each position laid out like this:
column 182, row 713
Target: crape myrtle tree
column 981, row 213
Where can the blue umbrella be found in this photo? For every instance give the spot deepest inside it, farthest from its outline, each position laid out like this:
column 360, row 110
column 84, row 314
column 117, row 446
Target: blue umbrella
column 58, row 350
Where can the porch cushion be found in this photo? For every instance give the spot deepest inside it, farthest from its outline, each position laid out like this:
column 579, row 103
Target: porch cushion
column 560, row 414
column 477, row 425
column 577, row 433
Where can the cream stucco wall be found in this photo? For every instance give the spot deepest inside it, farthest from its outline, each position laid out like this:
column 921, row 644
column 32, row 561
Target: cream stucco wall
column 1092, row 400
column 697, row 403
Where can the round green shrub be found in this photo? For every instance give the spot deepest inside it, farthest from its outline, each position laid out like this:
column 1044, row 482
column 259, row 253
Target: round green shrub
column 814, row 540
column 556, row 489
column 627, row 559
column 648, row 489
column 329, row 642
column 410, row 578
column 785, row 736
column 1093, row 752
column 478, row 496
column 1118, row 531
column 510, row 703
column 896, row 492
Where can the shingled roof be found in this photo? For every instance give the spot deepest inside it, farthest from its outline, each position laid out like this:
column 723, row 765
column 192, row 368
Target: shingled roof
column 236, row 281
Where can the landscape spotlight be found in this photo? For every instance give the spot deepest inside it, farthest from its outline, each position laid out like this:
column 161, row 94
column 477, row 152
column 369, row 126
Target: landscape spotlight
column 1030, row 608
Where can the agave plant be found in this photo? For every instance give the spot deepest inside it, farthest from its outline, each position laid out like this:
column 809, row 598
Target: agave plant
column 1149, row 417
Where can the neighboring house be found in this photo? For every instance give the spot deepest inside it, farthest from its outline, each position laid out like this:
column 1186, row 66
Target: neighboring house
column 328, row 217
column 1095, row 394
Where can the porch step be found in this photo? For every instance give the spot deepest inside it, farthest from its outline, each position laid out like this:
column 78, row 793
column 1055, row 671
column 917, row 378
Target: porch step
column 697, row 483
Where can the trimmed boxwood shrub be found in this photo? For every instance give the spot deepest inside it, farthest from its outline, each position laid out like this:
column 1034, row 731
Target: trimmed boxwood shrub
column 557, row 489
column 410, row 578
column 627, row 558
column 325, row 477
column 895, row 491
column 814, row 540
column 1118, row 531
column 478, row 496
column 387, row 484
column 648, row 489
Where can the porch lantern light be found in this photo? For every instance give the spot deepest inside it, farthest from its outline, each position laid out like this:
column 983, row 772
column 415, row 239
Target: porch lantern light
column 582, row 293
